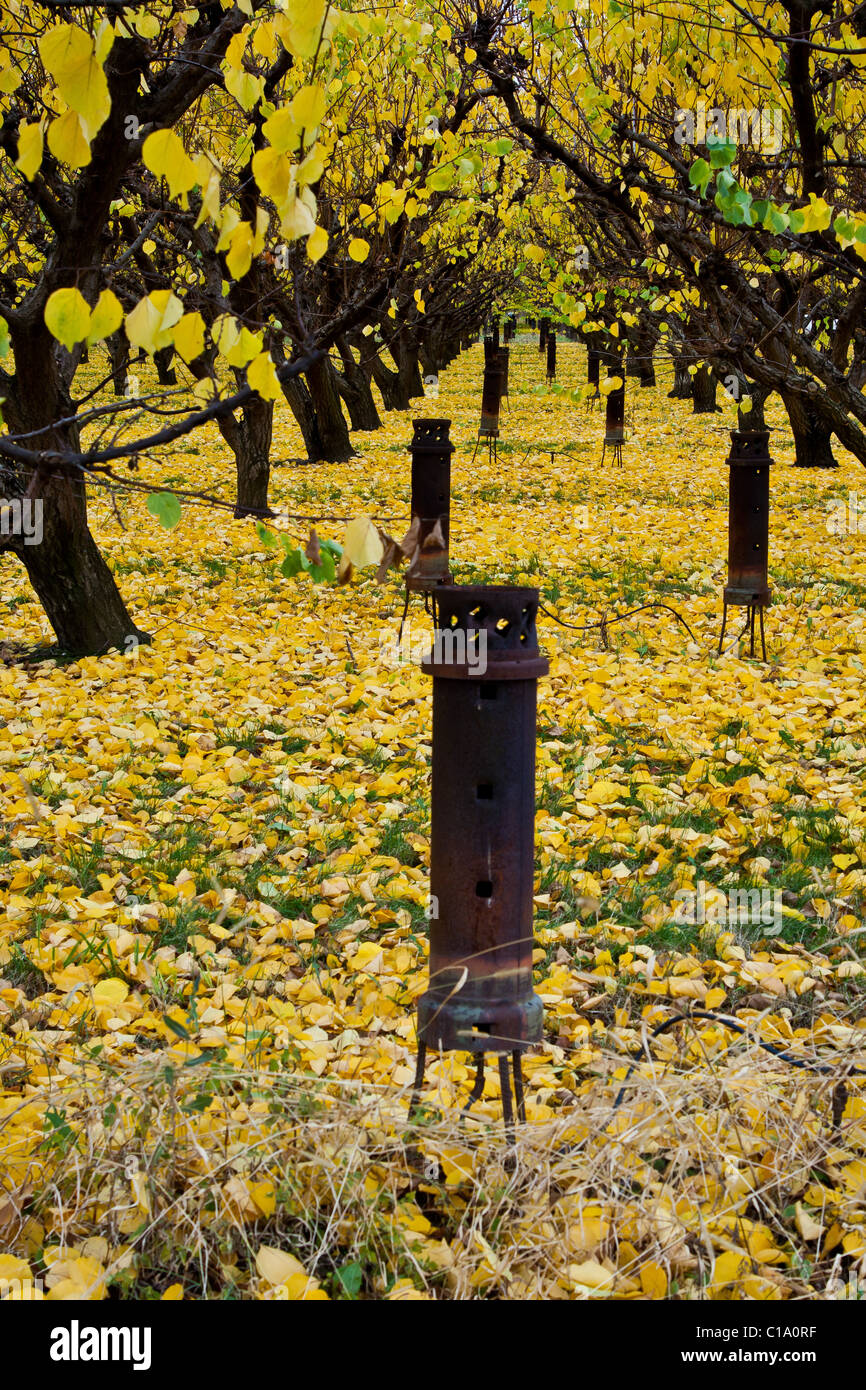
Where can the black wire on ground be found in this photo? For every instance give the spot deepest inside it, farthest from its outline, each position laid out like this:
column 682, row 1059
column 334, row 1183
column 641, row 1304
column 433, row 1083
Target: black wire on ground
column 828, row 1068
column 620, row 617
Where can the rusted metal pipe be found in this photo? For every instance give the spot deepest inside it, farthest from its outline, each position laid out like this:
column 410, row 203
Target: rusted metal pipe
column 485, row 665
column 431, row 450
column 614, row 416
column 491, row 395
column 504, row 354
column 749, row 463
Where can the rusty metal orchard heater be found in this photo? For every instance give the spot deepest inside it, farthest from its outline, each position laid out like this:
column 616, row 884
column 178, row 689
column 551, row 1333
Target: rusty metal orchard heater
column 748, row 531
column 551, row 357
column 485, row 665
column 504, row 355
column 494, row 329
column 491, row 399
column 614, row 415
column 431, row 450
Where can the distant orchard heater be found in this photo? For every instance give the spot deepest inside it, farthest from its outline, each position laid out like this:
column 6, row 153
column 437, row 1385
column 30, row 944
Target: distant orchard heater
column 551, row 356
column 614, row 418
column 491, row 400
column 748, row 531
column 485, row 665
column 431, row 451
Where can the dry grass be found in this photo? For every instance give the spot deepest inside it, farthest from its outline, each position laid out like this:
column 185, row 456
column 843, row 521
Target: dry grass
column 706, row 1155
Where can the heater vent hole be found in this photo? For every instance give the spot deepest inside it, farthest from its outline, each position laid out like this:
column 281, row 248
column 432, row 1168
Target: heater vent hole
column 487, row 691
column 484, row 888
column 484, row 791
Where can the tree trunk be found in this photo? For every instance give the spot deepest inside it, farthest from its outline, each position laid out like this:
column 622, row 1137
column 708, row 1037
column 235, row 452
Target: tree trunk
column 74, row 584
column 71, row 579
column 405, row 354
column 249, row 438
column 354, row 387
column 165, row 373
column 640, row 354
column 812, row 438
column 393, row 391
column 300, row 403
column 336, row 446
column 682, row 388
column 704, row 392
column 118, row 356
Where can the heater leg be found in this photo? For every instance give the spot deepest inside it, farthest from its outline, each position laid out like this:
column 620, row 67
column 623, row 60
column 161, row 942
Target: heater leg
column 478, row 1084
column 505, row 1087
column 724, row 625
column 518, row 1085
column 403, row 614
column 752, row 629
column 477, row 446
column 419, row 1078
column 763, row 643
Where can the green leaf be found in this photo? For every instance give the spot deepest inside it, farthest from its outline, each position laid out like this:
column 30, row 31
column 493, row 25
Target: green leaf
column 351, row 1278
column 5, row 342
column 293, row 564
column 333, row 546
column 700, row 174
column 722, row 153
column 267, row 538
column 165, row 507
column 325, row 572
column 175, row 1027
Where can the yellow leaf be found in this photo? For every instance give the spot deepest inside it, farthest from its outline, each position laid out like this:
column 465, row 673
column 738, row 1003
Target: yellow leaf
column 67, row 316
column 809, row 1228
column 362, row 544
column 106, row 318
column 67, row 53
column 317, row 244
column 653, row 1280
column 590, row 1274
column 110, row 992
column 276, row 1266
column 308, row 108
column 173, row 1294
column 149, row 325
column 189, row 337
column 730, row 1266
column 359, row 248
column 240, row 256
column 67, row 141
column 29, row 149
column 164, row 155
column 262, row 377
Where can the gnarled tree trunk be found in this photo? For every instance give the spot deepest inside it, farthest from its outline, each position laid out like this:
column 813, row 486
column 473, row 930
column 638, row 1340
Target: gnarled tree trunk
column 69, row 574
column 336, row 446
column 248, row 434
column 704, row 392
column 682, row 387
column 812, row 438
column 353, row 385
column 118, row 356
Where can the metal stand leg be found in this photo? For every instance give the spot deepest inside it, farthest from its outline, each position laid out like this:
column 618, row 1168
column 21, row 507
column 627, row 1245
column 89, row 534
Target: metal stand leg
column 724, row 625
column 763, row 643
column 751, row 629
column 505, row 1087
column 478, row 1084
column 419, row 1078
column 403, row 615
column 518, row 1086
